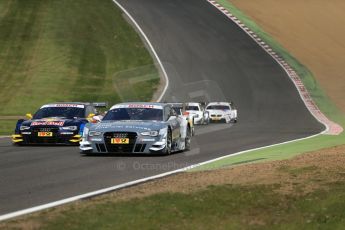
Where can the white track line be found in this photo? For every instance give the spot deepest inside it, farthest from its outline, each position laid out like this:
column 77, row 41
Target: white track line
column 131, row 183
column 150, row 46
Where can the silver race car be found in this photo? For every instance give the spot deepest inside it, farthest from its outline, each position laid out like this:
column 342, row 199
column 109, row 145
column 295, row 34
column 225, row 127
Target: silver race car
column 146, row 128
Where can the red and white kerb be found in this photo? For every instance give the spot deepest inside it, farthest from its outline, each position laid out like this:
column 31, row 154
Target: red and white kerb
column 332, row 128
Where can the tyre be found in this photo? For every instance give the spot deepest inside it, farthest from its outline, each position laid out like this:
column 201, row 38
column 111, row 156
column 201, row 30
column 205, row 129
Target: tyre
column 168, row 143
column 207, row 120
column 188, row 139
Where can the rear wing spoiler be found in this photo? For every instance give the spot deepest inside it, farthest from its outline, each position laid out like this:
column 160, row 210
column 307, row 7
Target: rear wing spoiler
column 100, row 104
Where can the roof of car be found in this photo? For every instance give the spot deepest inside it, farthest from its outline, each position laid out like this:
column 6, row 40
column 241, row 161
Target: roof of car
column 193, row 103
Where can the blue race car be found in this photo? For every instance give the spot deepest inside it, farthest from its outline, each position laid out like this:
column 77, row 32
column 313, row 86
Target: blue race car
column 56, row 123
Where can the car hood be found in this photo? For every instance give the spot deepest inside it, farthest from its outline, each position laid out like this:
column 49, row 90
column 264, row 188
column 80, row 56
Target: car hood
column 129, row 126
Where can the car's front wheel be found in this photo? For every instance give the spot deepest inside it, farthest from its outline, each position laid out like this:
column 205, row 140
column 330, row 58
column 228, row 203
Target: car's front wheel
column 168, row 143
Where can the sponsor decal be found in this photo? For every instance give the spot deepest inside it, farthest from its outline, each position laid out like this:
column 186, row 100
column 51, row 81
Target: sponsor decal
column 54, row 123
column 120, row 127
column 64, row 105
column 139, row 106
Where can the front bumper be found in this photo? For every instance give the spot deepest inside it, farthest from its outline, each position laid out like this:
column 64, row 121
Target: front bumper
column 31, row 138
column 137, row 144
column 217, row 118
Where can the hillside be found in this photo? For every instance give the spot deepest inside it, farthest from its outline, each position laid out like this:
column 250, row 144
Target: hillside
column 68, row 51
column 312, row 31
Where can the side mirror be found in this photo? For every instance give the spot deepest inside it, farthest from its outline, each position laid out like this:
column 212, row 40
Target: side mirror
column 28, row 116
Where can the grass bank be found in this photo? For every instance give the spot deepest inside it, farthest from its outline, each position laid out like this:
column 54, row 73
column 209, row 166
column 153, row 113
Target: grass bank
column 67, row 51
column 306, row 192
column 323, row 102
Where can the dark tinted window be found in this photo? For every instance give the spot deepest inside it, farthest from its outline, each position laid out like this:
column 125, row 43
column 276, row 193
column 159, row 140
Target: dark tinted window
column 177, row 110
column 196, row 108
column 134, row 114
column 65, row 112
column 218, row 107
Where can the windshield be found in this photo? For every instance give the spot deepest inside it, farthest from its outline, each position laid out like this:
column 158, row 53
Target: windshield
column 218, row 107
column 131, row 114
column 65, row 112
column 196, row 108
column 177, row 110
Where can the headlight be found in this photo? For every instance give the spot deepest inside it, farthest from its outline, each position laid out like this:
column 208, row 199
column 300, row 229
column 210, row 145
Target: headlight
column 94, row 133
column 196, row 115
column 150, row 133
column 69, row 128
column 163, row 132
column 23, row 127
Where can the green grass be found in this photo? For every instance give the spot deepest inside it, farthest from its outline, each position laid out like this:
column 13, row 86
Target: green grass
column 67, row 51
column 323, row 102
column 217, row 207
column 7, row 127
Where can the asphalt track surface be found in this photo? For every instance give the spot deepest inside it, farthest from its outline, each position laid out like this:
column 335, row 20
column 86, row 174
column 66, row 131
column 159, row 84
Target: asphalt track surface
column 206, row 56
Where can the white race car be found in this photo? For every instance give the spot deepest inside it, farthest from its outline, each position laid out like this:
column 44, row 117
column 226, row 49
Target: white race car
column 200, row 115
column 222, row 112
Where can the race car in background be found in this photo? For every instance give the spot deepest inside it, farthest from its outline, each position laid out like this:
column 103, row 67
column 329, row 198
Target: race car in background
column 56, row 123
column 142, row 128
column 197, row 110
column 222, row 112
column 180, row 109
